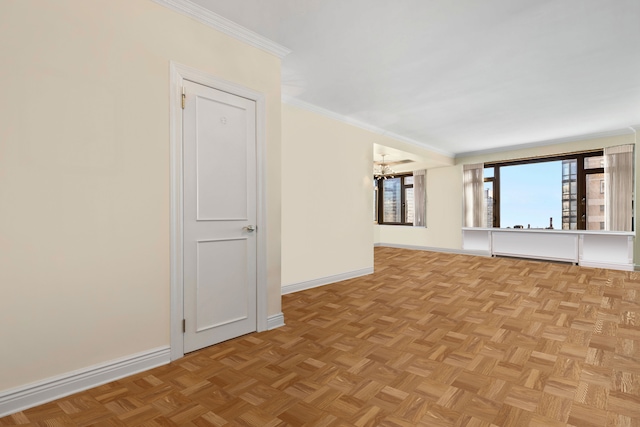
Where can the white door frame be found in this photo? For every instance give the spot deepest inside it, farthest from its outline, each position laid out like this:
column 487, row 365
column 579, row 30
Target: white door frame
column 179, row 73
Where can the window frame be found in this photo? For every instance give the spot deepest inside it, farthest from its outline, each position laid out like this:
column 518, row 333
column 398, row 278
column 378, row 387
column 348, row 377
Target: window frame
column 379, row 191
column 581, row 175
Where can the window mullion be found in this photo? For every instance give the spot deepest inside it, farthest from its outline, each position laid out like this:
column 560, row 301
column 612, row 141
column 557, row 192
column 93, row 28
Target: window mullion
column 496, row 197
column 582, row 194
column 403, row 202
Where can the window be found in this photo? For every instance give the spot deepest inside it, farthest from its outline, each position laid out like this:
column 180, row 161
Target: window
column 394, row 200
column 558, row 192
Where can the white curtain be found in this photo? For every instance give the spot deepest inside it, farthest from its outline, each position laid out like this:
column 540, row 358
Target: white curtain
column 420, row 198
column 618, row 183
column 473, row 203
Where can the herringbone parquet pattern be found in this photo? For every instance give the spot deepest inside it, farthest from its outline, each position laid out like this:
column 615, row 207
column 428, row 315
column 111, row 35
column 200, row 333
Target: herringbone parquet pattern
column 430, row 339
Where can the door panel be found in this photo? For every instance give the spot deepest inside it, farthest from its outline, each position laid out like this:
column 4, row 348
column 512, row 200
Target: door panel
column 213, row 311
column 221, row 159
column 219, row 206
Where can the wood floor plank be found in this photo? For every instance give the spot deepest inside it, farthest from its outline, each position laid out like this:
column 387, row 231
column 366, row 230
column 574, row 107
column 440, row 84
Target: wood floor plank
column 429, row 339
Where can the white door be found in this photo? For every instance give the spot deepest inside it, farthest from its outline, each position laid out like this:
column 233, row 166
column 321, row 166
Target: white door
column 220, row 201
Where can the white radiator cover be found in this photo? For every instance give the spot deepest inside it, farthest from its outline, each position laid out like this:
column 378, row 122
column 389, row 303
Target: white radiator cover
column 601, row 249
column 555, row 247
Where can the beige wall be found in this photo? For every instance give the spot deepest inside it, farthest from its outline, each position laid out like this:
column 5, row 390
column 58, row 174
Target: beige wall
column 327, row 197
column 84, row 176
column 444, row 214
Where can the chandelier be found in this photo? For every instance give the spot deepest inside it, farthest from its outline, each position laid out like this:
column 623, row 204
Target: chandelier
column 381, row 170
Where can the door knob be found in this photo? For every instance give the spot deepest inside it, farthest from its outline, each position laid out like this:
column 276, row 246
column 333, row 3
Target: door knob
column 249, row 228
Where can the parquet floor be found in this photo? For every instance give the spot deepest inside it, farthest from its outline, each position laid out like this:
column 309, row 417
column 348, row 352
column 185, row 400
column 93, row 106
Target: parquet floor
column 430, row 339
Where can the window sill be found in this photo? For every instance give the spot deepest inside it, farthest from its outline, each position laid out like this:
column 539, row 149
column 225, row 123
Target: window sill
column 556, row 231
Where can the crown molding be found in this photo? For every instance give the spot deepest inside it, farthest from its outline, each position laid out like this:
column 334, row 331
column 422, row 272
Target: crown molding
column 362, row 125
column 615, row 132
column 635, row 129
column 222, row 24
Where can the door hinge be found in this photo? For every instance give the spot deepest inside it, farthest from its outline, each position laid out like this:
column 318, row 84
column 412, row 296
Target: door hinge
column 184, row 325
column 184, row 96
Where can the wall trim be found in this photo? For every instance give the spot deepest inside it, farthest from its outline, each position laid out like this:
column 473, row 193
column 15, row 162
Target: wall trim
column 434, row 249
column 275, row 321
column 30, row 395
column 359, row 124
column 224, row 25
column 614, row 132
column 309, row 284
column 607, row 265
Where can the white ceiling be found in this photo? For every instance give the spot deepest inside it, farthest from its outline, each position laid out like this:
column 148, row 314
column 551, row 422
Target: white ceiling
column 458, row 76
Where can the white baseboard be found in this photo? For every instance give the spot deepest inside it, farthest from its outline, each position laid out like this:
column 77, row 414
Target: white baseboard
column 301, row 286
column 275, row 321
column 433, row 249
column 608, row 266
column 30, row 395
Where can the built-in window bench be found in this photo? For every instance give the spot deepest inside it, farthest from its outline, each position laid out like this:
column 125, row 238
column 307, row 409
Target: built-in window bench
column 600, row 249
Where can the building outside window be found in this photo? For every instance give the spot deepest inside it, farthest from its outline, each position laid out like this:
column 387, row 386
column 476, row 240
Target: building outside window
column 394, row 200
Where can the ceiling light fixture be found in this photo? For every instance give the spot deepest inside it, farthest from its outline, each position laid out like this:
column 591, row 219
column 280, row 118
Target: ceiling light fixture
column 382, row 170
